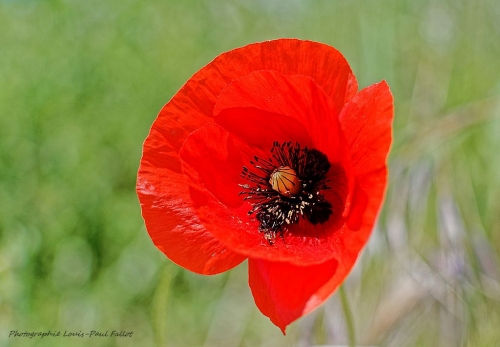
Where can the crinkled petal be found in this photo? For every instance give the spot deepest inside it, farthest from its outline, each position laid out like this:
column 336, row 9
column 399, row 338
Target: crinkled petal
column 216, row 162
column 367, row 124
column 194, row 103
column 285, row 292
column 297, row 97
column 170, row 219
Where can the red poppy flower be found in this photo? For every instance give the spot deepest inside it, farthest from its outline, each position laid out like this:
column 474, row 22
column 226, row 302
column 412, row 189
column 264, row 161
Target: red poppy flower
column 269, row 153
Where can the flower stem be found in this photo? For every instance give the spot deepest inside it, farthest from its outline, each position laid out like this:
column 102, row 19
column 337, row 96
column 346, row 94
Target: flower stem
column 160, row 305
column 349, row 321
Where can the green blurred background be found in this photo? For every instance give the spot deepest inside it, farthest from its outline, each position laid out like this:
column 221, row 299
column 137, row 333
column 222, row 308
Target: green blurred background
column 81, row 83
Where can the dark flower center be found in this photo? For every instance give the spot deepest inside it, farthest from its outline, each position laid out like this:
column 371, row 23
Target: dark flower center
column 287, row 186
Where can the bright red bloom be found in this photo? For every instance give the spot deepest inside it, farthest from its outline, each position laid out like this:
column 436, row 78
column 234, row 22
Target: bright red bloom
column 240, row 106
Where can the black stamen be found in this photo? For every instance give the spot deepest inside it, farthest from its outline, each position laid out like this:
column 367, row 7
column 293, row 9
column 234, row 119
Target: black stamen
column 275, row 211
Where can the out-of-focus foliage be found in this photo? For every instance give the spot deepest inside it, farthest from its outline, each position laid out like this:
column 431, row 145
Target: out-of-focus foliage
column 82, row 81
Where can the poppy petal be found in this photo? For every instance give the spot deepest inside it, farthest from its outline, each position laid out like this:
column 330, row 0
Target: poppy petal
column 170, row 220
column 193, row 104
column 217, row 162
column 298, row 97
column 367, row 124
column 285, row 292
column 259, row 129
